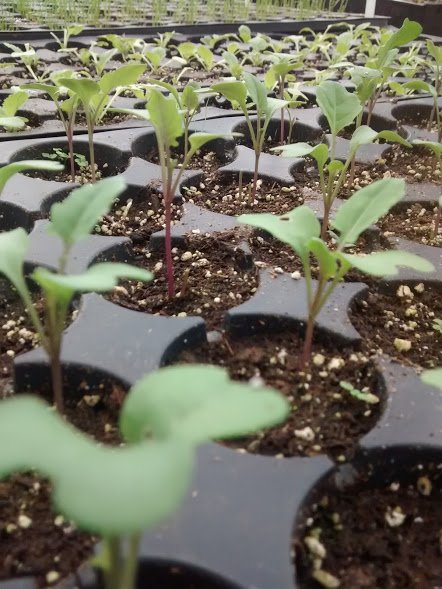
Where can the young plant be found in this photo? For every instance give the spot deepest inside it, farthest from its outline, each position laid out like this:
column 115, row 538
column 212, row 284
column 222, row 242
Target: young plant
column 277, row 75
column 238, row 93
column 28, row 58
column 117, row 492
column 59, row 155
column 71, row 221
column 340, row 108
column 68, row 32
column 300, row 229
column 95, row 97
column 8, row 111
column 436, row 148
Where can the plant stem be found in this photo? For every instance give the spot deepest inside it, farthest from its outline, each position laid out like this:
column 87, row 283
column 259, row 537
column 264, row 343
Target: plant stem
column 281, row 96
column 113, row 572
column 252, row 193
column 90, row 133
column 168, row 245
column 437, row 222
column 130, row 564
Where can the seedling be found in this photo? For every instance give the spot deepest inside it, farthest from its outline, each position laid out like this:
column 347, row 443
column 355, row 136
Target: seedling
column 59, row 155
column 168, row 121
column 436, row 148
column 277, row 74
column 238, row 93
column 68, row 32
column 95, row 99
column 117, row 492
column 340, row 108
column 28, row 58
column 71, row 220
column 300, row 229
column 8, row 111
column 363, row 395
column 437, row 325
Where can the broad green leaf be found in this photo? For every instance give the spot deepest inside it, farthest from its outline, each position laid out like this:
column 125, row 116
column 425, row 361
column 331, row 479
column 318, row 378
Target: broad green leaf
column 52, row 91
column 326, row 259
column 187, row 50
column 393, row 137
column 339, row 106
column 105, row 490
column 387, row 263
column 233, row 91
column 85, row 89
column 435, row 147
column 75, row 217
column 13, row 123
column 421, row 86
column 245, row 33
column 206, row 56
column 125, row 75
column 165, row 117
column 198, row 139
column 318, row 152
column 13, row 102
column 13, row 248
column 189, row 98
column 361, row 136
column 408, row 32
column 98, row 278
column 41, row 165
column 197, row 403
column 433, row 377
column 274, row 104
column 295, row 228
column 170, row 87
column 257, row 92
column 335, row 167
column 435, row 51
column 365, row 207
column 139, row 113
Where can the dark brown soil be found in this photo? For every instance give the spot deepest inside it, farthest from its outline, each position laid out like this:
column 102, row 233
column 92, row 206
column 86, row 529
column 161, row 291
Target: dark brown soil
column 415, row 223
column 210, row 276
column 364, row 548
column 207, row 162
column 221, row 193
column 82, row 176
column 137, row 219
column 325, row 418
column 407, row 314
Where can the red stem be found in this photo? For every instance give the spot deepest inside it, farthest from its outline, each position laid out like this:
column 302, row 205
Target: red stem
column 168, row 245
column 304, row 360
column 437, row 221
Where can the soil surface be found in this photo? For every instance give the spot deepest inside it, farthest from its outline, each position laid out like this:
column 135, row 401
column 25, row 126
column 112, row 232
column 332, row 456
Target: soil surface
column 416, row 223
column 325, row 417
column 210, row 277
column 402, row 323
column 368, row 538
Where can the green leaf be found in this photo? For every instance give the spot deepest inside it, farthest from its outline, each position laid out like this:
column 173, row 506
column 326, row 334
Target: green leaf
column 13, row 247
column 189, row 98
column 13, row 123
column 198, row 139
column 434, row 51
column 75, row 217
column 52, row 91
column 295, row 228
column 105, row 490
column 326, row 259
column 435, row 147
column 408, row 32
column 365, row 207
column 387, row 263
column 361, row 136
column 139, row 113
column 318, row 152
column 433, row 378
column 419, row 85
column 41, row 165
column 257, row 92
column 233, row 91
column 125, row 75
column 166, row 118
column 206, row 56
column 274, row 104
column 393, row 137
column 85, row 89
column 98, row 278
column 335, row 167
column 245, row 33
column 13, row 102
column 197, row 403
column 339, row 106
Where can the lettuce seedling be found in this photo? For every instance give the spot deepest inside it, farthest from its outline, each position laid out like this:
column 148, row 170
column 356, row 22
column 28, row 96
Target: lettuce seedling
column 28, row 58
column 436, row 148
column 238, row 93
column 117, row 492
column 71, row 220
column 300, row 229
column 95, row 97
column 340, row 108
column 8, row 111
